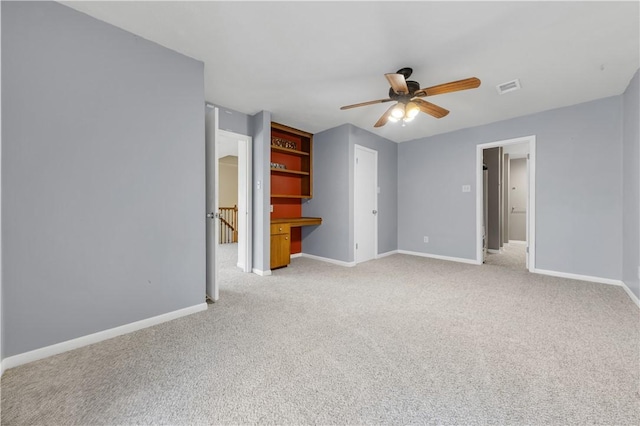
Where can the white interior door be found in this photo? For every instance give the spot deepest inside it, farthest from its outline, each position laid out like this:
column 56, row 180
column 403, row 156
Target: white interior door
column 211, row 130
column 365, row 204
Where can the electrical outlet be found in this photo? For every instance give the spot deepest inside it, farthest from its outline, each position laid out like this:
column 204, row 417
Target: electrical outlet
column 466, row 188
column 426, row 239
column 271, row 208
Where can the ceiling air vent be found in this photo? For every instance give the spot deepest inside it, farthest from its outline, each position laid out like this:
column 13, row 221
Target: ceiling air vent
column 509, row 86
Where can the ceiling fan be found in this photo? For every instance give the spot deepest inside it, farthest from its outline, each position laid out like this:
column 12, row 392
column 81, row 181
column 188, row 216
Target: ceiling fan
column 407, row 93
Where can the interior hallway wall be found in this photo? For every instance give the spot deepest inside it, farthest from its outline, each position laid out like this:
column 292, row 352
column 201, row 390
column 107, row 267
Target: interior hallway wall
column 102, row 177
column 518, row 200
column 228, row 185
column 493, row 159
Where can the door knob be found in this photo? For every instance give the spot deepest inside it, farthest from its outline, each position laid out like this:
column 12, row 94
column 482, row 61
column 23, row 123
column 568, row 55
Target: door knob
column 212, row 215
column 375, row 212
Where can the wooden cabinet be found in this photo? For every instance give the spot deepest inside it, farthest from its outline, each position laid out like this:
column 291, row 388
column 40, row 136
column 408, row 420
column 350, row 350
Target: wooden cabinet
column 291, row 162
column 280, row 245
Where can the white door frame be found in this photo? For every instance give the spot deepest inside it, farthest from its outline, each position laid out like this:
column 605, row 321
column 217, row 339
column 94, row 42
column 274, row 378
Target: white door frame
column 244, row 197
column 531, row 196
column 355, row 206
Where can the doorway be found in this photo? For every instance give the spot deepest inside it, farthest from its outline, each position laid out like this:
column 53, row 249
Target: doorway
column 221, row 143
column 233, row 198
column 365, row 194
column 505, row 203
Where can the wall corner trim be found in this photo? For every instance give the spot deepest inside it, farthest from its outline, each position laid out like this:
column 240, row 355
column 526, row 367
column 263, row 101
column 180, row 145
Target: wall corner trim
column 631, row 295
column 389, row 253
column 58, row 348
column 329, row 260
column 437, row 256
column 261, row 272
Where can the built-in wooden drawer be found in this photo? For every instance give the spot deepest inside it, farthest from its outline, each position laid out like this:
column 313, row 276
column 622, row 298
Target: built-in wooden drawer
column 280, row 228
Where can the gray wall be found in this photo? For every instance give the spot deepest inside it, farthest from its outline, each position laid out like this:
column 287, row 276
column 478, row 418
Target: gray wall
column 102, row 177
column 333, row 172
column 330, row 197
column 631, row 185
column 493, row 159
column 233, row 121
column 505, row 199
column 579, row 188
column 518, row 199
column 261, row 144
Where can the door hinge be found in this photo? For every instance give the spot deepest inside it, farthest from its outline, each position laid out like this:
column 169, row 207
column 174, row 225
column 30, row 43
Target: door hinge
column 356, row 160
column 356, row 246
column 527, row 249
column 528, row 157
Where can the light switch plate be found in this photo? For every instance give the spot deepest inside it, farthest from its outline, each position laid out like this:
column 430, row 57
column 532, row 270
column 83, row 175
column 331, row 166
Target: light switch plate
column 466, row 188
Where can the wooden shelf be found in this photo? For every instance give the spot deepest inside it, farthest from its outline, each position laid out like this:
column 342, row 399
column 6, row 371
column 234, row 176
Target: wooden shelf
column 298, row 221
column 288, row 151
column 296, row 179
column 293, row 172
column 290, row 196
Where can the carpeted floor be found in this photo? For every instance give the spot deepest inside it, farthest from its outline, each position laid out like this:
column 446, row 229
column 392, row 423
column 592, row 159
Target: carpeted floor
column 399, row 340
column 511, row 257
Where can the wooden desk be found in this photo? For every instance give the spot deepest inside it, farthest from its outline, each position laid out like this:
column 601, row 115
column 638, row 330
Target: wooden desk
column 281, row 237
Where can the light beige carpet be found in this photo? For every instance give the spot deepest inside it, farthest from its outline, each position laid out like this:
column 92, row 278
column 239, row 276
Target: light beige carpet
column 400, row 340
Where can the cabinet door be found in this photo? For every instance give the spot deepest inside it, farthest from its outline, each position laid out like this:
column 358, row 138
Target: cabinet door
column 280, row 248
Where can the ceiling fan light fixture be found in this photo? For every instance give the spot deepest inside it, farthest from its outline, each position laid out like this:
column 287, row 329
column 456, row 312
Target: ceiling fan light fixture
column 408, row 118
column 393, row 119
column 411, row 110
column 398, row 111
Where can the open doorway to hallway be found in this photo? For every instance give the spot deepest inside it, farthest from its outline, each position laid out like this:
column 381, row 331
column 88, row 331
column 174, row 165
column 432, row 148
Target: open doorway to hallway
column 233, row 201
column 506, row 203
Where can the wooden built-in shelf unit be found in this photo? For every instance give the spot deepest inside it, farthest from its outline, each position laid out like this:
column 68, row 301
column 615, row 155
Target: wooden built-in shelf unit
column 296, row 179
column 293, row 183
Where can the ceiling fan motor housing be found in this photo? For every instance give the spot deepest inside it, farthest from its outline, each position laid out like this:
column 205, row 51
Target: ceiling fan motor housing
column 413, row 87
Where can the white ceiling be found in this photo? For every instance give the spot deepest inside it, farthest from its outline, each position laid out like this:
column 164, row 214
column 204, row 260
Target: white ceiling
column 303, row 60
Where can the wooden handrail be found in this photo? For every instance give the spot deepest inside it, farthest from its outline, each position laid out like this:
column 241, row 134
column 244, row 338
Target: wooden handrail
column 228, row 224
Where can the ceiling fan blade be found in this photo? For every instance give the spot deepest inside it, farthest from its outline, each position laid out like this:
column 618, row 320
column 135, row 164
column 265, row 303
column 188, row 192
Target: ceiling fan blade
column 384, row 118
column 398, row 83
column 454, row 86
column 431, row 109
column 378, row 101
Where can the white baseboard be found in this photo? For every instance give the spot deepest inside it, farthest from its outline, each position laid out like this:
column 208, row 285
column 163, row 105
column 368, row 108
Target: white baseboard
column 389, row 253
column 578, row 277
column 517, row 242
column 58, row 348
column 328, row 260
column 631, row 295
column 261, row 272
column 494, row 251
column 437, row 256
column 294, row 255
column 592, row 279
